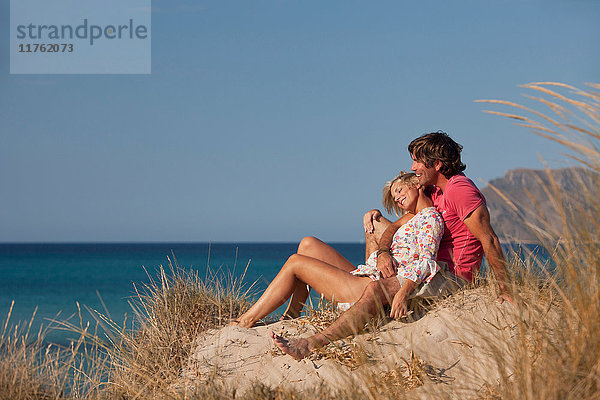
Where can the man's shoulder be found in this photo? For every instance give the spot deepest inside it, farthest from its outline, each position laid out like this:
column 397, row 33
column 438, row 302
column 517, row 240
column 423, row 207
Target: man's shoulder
column 462, row 196
column 460, row 180
column 460, row 185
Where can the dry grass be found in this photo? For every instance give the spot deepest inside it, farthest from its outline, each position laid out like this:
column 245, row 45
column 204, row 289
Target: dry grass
column 22, row 376
column 411, row 374
column 31, row 368
column 115, row 362
column 170, row 313
column 347, row 354
column 558, row 356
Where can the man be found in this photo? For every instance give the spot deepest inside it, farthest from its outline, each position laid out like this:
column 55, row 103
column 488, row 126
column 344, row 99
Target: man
column 468, row 235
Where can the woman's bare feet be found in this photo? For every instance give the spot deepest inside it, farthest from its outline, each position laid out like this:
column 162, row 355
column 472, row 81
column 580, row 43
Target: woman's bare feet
column 297, row 348
column 241, row 322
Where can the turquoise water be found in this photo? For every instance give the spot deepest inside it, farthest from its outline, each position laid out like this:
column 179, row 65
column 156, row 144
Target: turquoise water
column 53, row 277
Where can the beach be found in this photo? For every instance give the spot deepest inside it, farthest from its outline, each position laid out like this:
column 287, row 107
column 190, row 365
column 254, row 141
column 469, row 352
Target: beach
column 453, row 350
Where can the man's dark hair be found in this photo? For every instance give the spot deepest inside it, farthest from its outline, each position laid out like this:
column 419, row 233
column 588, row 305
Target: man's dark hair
column 435, row 146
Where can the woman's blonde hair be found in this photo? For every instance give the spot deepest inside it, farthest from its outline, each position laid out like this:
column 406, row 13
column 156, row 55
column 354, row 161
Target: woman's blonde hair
column 404, row 178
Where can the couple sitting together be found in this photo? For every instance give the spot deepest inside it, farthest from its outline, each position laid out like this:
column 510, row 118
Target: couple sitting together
column 435, row 248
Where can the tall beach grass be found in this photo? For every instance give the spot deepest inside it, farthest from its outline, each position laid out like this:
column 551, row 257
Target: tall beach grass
column 557, row 356
column 109, row 361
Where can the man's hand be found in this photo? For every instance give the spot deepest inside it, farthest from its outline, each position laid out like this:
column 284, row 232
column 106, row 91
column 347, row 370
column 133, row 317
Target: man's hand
column 368, row 219
column 506, row 295
column 386, row 265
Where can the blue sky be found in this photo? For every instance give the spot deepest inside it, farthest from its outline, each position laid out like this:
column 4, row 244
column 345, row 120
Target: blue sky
column 273, row 120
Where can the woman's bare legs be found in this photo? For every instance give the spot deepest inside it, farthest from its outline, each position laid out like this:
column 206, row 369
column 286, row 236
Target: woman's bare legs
column 329, row 280
column 375, row 295
column 317, row 249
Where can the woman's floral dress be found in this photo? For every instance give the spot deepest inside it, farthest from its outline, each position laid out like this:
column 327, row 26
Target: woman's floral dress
column 414, row 249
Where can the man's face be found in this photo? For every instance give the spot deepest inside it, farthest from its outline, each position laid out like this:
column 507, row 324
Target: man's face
column 427, row 175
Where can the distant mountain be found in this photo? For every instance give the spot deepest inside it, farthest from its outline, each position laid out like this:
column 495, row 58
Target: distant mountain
column 538, row 202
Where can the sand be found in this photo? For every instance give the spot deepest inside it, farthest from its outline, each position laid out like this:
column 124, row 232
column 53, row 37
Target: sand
column 459, row 342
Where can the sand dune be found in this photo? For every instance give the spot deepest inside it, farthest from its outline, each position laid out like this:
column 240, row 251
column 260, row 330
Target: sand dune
column 459, row 342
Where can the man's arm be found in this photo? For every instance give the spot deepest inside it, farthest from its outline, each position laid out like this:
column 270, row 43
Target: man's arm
column 370, row 217
column 375, row 224
column 478, row 223
column 385, row 263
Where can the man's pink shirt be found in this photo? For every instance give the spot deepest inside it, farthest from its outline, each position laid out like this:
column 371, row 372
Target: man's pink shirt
column 459, row 248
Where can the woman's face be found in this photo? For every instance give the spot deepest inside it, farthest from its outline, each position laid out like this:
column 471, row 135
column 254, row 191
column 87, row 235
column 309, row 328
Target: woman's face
column 405, row 195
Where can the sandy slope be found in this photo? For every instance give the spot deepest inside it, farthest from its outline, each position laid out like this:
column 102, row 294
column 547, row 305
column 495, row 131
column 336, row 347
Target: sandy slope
column 458, row 340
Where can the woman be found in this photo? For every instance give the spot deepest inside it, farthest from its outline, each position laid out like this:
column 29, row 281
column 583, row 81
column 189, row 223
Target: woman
column 417, row 239
column 319, row 266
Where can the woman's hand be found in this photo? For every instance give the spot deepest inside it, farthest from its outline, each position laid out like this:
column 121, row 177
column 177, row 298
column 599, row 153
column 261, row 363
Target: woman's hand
column 400, row 301
column 368, row 220
column 386, row 265
column 399, row 305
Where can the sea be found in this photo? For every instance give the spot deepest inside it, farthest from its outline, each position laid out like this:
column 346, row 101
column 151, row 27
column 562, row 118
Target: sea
column 43, row 282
